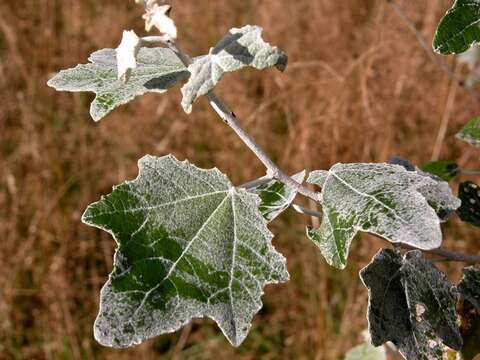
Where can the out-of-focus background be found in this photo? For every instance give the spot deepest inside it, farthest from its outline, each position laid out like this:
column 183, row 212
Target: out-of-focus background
column 359, row 87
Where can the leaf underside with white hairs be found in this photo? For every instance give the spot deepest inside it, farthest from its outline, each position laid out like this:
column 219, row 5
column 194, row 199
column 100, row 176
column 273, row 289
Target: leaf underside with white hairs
column 381, row 199
column 189, row 245
column 157, row 70
column 276, row 196
column 241, row 47
column 412, row 310
column 459, row 29
column 470, row 133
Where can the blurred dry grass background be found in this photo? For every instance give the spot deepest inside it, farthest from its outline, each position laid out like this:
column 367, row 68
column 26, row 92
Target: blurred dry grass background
column 358, row 88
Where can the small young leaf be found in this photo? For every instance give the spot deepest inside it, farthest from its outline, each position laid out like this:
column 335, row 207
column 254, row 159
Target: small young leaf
column 470, row 133
column 382, row 199
column 366, row 352
column 412, row 304
column 127, row 53
column 444, row 169
column 189, row 245
column 157, row 70
column 276, row 196
column 459, row 29
column 238, row 49
column 469, row 211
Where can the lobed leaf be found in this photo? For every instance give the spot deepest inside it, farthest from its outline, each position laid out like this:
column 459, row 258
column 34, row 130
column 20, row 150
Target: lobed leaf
column 241, row 47
column 276, row 196
column 412, row 304
column 470, row 133
column 469, row 211
column 459, row 29
column 157, row 70
column 189, row 245
column 383, row 199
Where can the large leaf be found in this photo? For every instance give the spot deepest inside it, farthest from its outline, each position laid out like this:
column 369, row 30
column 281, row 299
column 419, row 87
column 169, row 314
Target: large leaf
column 239, row 48
column 469, row 211
column 276, row 196
column 388, row 315
column 470, row 133
column 189, row 245
column 459, row 29
column 157, row 70
column 382, row 199
column 411, row 304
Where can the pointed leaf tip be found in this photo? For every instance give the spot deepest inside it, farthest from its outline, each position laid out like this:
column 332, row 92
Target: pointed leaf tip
column 189, row 245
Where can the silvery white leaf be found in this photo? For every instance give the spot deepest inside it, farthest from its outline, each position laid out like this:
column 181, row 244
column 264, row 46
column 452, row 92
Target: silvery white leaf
column 157, row 70
column 190, row 245
column 239, row 48
column 382, row 199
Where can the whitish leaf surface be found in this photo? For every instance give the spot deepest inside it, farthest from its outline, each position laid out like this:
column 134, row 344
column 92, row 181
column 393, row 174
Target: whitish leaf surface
column 156, row 71
column 411, row 304
column 382, row 199
column 469, row 194
column 366, row 352
column 459, row 29
column 276, row 196
column 431, row 299
column 470, row 133
column 241, row 47
column 189, row 245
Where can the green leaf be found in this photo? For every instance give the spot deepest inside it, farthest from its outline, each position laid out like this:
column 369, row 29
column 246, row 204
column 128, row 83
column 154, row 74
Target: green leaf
column 411, row 304
column 470, row 133
column 459, row 28
column 276, row 196
column 444, row 169
column 189, row 245
column 382, row 199
column 157, row 70
column 366, row 352
column 239, row 48
column 469, row 311
column 469, row 211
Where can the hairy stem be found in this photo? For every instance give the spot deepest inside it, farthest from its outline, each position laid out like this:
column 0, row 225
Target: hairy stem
column 227, row 115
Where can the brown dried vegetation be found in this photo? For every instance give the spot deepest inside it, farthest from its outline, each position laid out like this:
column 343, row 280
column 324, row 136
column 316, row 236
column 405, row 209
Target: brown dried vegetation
column 358, row 88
